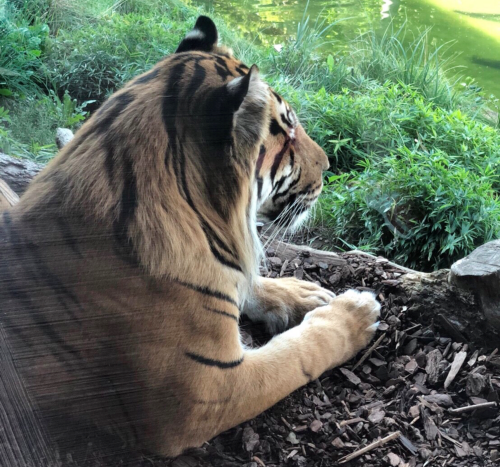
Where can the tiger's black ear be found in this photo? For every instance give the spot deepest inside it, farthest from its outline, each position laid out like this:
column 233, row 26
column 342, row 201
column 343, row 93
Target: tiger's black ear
column 202, row 37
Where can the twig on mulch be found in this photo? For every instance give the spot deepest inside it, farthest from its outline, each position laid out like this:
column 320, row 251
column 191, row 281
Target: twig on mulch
column 370, row 447
column 369, row 351
column 470, row 408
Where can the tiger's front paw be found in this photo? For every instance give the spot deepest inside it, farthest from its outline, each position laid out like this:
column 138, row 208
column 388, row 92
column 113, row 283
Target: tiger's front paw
column 354, row 314
column 283, row 303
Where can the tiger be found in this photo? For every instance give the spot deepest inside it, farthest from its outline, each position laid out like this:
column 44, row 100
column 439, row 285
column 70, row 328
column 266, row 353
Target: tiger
column 127, row 264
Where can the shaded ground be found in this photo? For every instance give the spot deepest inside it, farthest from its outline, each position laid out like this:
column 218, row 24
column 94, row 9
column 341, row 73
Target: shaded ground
column 399, row 386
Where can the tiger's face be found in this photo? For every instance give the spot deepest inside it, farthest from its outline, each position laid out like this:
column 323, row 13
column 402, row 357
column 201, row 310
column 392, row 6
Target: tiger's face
column 289, row 168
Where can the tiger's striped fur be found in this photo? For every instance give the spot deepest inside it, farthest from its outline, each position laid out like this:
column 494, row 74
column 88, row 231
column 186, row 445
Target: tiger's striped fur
column 125, row 266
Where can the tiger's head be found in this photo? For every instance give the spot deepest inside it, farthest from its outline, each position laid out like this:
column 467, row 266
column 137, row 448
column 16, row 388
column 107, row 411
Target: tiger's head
column 286, row 163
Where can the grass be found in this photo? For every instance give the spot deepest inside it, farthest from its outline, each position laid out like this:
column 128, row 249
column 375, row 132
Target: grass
column 415, row 151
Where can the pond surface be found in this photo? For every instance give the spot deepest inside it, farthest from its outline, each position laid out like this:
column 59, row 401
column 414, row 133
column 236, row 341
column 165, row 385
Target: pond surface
column 472, row 25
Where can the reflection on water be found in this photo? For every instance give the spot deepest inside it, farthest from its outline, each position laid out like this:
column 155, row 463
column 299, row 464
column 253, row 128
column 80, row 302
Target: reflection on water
column 473, row 25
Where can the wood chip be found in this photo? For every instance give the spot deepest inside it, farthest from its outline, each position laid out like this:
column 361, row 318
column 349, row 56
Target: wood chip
column 350, row 376
column 394, row 459
column 432, row 368
column 315, row 426
column 455, row 368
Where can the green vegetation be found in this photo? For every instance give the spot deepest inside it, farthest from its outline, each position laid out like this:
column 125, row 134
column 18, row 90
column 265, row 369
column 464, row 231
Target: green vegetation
column 415, row 152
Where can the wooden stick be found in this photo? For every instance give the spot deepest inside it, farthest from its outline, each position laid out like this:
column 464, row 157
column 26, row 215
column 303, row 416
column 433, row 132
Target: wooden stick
column 369, row 351
column 351, row 421
column 450, row 439
column 370, row 447
column 470, row 408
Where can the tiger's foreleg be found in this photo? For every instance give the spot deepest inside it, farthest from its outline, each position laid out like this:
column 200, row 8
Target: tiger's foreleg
column 228, row 395
column 282, row 303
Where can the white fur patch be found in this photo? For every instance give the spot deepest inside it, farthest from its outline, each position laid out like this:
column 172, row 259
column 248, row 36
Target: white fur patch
column 195, row 34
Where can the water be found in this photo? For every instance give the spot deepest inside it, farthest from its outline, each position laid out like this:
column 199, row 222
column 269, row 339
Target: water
column 472, row 25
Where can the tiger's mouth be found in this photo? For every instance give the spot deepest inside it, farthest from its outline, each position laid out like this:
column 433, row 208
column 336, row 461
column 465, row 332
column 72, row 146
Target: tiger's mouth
column 289, row 214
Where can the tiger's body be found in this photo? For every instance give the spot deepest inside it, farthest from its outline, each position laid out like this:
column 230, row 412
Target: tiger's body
column 126, row 265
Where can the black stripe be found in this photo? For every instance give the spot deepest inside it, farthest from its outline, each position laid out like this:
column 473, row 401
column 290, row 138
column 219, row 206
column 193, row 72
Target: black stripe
column 258, row 166
column 260, row 160
column 306, row 190
column 207, row 291
column 222, row 72
column 223, row 313
column 259, row 187
column 128, row 205
column 216, row 363
column 279, row 195
column 107, row 115
column 285, row 119
column 109, row 159
column 170, row 104
column 222, row 62
column 275, row 128
column 278, row 97
column 197, row 80
column 241, row 70
column 111, row 109
column 278, row 158
column 170, row 109
column 212, row 237
column 280, row 183
column 221, row 259
column 147, row 77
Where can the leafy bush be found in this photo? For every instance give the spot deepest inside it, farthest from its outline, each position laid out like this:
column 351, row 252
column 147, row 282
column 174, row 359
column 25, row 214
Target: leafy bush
column 414, row 181
column 36, row 141
column 21, row 46
column 127, row 45
column 424, row 210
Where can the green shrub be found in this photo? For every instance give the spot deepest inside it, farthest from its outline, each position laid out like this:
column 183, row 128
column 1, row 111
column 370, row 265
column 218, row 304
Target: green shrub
column 96, row 59
column 21, row 46
column 32, row 124
column 424, row 210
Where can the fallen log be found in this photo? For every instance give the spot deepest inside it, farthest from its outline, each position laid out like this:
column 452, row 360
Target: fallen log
column 17, row 173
